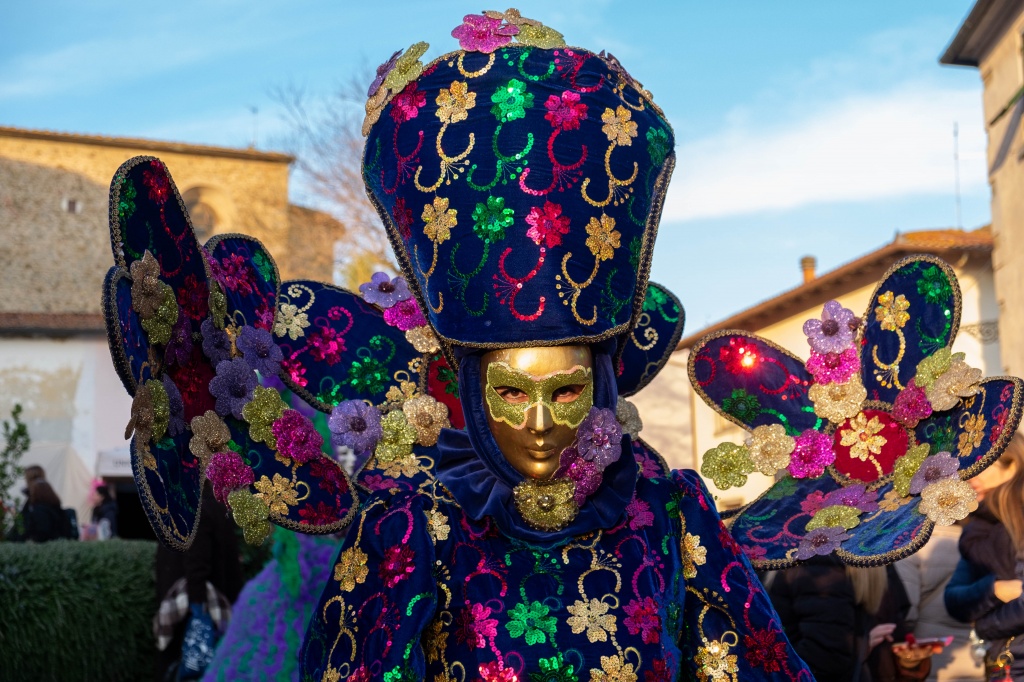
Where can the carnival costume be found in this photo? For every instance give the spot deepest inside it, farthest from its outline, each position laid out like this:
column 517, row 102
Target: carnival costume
column 520, row 182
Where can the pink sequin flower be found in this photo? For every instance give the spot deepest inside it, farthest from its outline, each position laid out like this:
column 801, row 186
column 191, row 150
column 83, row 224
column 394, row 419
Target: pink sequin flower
column 228, row 472
column 585, row 474
column 833, row 333
column 566, row 111
column 642, row 619
column 813, row 452
column 479, row 33
column 296, row 437
column 405, row 315
column 833, row 368
column 911, row 405
column 639, row 513
column 406, row 104
column 475, row 626
column 547, row 225
column 327, row 345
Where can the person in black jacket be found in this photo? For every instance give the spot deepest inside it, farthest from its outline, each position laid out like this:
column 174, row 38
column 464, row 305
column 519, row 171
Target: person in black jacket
column 986, row 586
column 43, row 518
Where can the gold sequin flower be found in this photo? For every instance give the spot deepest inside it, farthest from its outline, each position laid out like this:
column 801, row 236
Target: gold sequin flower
column 427, row 416
column 423, row 339
column 351, row 569
column 439, row 220
column 407, row 69
column 141, row 421
column 838, row 402
column 891, row 311
column 692, row 554
column 906, row 466
column 437, row 525
column 614, row 669
column 544, row 37
column 398, row 438
column 209, row 435
column 959, row 381
column 290, row 321
column 628, row 417
column 727, row 464
column 973, row 434
column 618, row 126
column 278, row 494
column 770, row 448
column 862, row 437
column 947, row 501
column 261, row 412
column 454, row 104
column 833, row 516
column 592, row 617
column 715, row 663
column 604, row 238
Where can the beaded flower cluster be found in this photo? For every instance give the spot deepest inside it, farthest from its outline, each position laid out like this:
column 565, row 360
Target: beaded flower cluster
column 915, row 439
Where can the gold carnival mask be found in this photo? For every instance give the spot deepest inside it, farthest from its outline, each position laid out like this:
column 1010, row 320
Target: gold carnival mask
column 536, row 399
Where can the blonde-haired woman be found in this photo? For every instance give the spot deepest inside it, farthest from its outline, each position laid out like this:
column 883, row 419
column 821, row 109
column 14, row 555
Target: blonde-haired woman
column 986, row 587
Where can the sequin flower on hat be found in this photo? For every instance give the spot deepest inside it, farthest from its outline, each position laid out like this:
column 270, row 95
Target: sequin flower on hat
column 856, row 424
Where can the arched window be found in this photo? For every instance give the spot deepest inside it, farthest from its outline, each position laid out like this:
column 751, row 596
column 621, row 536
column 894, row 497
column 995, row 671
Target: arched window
column 204, row 220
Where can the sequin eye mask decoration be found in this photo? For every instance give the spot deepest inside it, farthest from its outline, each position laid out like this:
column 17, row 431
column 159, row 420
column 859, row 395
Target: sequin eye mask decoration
column 540, row 391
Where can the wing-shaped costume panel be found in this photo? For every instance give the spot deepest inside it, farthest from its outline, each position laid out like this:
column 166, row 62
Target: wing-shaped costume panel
column 652, row 341
column 872, row 439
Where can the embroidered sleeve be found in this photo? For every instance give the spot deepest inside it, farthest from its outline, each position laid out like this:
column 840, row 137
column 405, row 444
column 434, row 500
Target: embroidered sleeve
column 730, row 629
column 379, row 600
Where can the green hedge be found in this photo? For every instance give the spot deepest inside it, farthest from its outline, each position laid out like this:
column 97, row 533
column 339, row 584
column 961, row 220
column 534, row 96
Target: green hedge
column 77, row 610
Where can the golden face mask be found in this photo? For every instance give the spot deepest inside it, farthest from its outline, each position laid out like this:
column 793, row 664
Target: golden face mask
column 536, row 399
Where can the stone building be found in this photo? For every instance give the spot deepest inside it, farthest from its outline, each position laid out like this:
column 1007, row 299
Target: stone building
column 55, row 251
column 682, row 427
column 991, row 39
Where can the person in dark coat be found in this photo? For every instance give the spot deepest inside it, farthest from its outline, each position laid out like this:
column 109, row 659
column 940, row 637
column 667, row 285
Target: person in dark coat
column 106, row 510
column 986, row 586
column 43, row 519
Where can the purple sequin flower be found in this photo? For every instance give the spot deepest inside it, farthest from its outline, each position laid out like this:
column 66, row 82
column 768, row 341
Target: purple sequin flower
column 228, row 472
column 355, row 425
column 813, row 452
column 599, row 438
column 480, row 33
column 176, row 422
column 296, row 437
column 935, row 468
column 856, row 495
column 216, row 343
column 382, row 72
column 833, row 333
column 911, row 405
column 833, row 368
column 259, row 350
column 821, row 541
column 179, row 346
column 385, row 292
column 232, row 387
column 586, row 475
column 405, row 315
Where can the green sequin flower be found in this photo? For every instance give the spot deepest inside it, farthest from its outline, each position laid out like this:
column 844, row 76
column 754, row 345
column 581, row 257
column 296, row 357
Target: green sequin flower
column 531, row 621
column 554, row 669
column 934, row 285
column 906, row 466
column 634, row 252
column 654, row 299
column 511, row 101
column 126, row 201
column 657, row 145
column 836, row 515
column 491, row 219
column 263, row 266
column 742, row 405
column 367, row 375
column 727, row 464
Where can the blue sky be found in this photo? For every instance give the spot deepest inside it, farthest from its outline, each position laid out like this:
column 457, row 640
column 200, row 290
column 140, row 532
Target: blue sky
column 802, row 127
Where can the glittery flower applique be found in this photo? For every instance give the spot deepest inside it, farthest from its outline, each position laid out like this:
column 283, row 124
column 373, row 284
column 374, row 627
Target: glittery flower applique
column 547, row 225
column 297, row 438
column 511, row 100
column 261, row 412
column 382, row 72
column 692, row 555
column 911, row 405
column 959, row 381
column 770, row 448
column 250, row 513
column 397, row 438
column 232, row 387
column 216, row 342
column 812, row 452
column 209, row 435
column 439, row 220
column 142, row 416
column 835, row 516
column 407, row 68
column 930, row 368
column 356, row 425
column 532, row 33
column 947, row 501
column 406, row 105
column 592, row 617
column 831, row 367
column 727, row 464
column 423, row 339
column 628, row 417
column 427, row 416
column 532, row 622
column 599, row 437
column 454, row 103
column 290, row 321
column 405, row 315
column 973, row 435
column 642, row 619
column 838, row 402
column 892, row 311
column 277, row 493
column 351, row 569
column 383, row 291
column 821, row 541
column 833, row 333
column 483, row 33
column 618, row 126
column 863, row 437
column 259, row 350
column 179, row 345
column 935, row 468
column 603, row 238
column 715, row 663
column 491, row 219
column 565, row 111
column 227, row 472
column 906, row 466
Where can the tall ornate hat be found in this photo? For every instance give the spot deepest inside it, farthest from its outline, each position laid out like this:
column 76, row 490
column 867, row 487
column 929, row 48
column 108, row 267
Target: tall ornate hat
column 872, row 439
column 521, row 184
